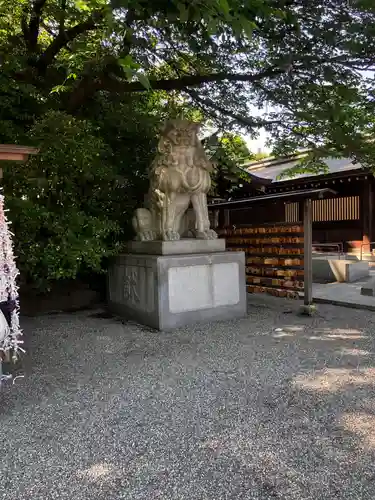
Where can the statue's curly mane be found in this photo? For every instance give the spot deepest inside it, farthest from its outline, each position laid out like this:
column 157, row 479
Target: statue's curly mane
column 176, row 135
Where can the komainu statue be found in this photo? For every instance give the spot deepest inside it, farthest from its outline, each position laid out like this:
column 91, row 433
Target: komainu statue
column 179, row 177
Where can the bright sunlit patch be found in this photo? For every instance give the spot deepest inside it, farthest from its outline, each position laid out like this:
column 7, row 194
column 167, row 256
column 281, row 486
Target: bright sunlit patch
column 287, row 331
column 335, row 379
column 96, row 472
column 361, row 424
column 344, row 331
column 294, row 328
column 337, row 334
column 354, row 352
column 350, row 336
column 282, row 334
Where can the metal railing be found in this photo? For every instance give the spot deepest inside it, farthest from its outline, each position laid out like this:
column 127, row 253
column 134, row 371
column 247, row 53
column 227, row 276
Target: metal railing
column 365, row 245
column 339, row 246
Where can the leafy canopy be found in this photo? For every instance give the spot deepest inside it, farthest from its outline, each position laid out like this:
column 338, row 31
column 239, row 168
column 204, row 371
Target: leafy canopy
column 304, row 59
column 228, row 151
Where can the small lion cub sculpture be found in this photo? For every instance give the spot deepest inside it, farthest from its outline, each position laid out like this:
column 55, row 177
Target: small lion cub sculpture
column 179, row 177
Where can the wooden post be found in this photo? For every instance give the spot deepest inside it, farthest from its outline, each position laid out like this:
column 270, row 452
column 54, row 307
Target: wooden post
column 307, row 227
column 226, row 218
column 223, row 218
column 301, row 205
column 367, row 208
column 221, row 224
column 370, row 209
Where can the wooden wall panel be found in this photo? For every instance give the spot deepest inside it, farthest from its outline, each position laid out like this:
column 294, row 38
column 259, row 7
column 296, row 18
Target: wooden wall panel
column 328, row 210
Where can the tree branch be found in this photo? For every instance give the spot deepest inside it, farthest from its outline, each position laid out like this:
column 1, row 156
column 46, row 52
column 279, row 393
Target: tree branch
column 215, row 134
column 62, row 17
column 243, row 120
column 115, row 85
column 109, row 83
column 24, row 24
column 198, row 80
column 88, row 85
column 64, row 37
column 32, row 31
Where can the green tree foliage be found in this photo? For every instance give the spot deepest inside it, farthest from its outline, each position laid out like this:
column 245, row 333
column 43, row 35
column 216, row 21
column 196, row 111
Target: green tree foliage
column 261, row 156
column 225, row 54
column 302, row 58
column 61, row 209
column 228, row 151
column 113, row 70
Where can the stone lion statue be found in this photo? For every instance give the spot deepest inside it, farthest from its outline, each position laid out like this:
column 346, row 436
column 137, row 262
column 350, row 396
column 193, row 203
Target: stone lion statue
column 179, row 178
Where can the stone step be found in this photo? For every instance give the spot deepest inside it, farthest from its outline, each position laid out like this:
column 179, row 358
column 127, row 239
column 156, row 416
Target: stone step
column 369, row 288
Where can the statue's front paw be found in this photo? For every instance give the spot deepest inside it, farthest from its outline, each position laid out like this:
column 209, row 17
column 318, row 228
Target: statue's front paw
column 201, row 235
column 210, row 234
column 148, row 236
column 171, row 236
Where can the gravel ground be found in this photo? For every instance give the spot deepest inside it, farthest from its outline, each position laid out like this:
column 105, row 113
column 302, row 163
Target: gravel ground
column 275, row 406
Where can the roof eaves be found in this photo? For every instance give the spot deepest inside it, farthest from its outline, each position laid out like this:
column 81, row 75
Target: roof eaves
column 322, row 176
column 273, row 161
column 303, row 193
column 255, row 178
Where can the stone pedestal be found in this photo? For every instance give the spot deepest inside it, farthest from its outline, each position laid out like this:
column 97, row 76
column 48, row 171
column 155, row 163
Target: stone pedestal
column 179, row 247
column 173, row 290
column 341, row 270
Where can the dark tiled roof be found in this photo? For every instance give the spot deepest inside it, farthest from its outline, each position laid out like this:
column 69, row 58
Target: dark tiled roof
column 270, row 168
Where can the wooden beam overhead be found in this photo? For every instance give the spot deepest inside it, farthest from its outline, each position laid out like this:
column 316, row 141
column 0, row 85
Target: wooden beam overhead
column 11, row 152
